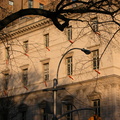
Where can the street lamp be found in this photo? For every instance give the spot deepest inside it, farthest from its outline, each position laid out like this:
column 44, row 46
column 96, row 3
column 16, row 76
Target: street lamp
column 55, row 80
column 87, row 52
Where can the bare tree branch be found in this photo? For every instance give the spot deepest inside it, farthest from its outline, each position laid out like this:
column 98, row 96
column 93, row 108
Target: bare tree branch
column 108, row 7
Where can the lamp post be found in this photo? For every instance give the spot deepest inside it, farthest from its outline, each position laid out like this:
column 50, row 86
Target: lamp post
column 55, row 80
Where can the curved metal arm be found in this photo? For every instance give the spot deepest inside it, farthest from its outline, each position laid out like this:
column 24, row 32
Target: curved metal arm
column 82, row 49
column 75, row 111
column 70, row 103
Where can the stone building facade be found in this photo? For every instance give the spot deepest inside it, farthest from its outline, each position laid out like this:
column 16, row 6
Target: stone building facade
column 30, row 55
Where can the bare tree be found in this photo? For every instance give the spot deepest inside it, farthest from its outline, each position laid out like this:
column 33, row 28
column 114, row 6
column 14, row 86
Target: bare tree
column 62, row 11
column 63, row 7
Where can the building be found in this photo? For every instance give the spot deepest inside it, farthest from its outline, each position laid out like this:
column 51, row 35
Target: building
column 8, row 7
column 31, row 51
column 11, row 6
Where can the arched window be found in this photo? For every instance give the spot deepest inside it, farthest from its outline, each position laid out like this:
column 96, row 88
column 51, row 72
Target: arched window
column 23, row 110
column 94, row 99
column 68, row 106
column 43, row 110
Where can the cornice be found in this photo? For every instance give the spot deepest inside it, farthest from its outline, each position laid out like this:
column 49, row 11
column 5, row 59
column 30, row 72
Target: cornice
column 24, row 29
column 27, row 26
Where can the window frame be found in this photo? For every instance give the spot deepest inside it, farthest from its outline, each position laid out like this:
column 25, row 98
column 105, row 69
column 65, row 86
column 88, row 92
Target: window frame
column 44, row 115
column 23, row 111
column 69, row 116
column 69, row 33
column 69, row 65
column 6, row 80
column 41, row 6
column 46, row 71
column 67, row 105
column 46, row 40
column 23, row 115
column 96, row 105
column 95, row 59
column 25, row 46
column 7, row 54
column 11, row 2
column 94, row 24
column 25, row 76
column 43, row 107
column 30, row 3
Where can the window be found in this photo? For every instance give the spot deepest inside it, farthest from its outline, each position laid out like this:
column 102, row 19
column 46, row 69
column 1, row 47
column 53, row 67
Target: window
column 10, row 7
column 11, row 2
column 69, row 33
column 46, row 36
column 23, row 110
column 96, row 105
column 25, row 46
column 95, row 54
column 69, row 115
column 7, row 53
column 68, row 106
column 46, row 71
column 6, row 80
column 44, row 115
column 69, row 65
column 94, row 24
column 25, row 76
column 44, row 110
column 23, row 115
column 30, row 3
column 41, row 6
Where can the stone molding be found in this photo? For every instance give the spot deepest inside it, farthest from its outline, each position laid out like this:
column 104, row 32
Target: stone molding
column 25, row 29
column 94, row 95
